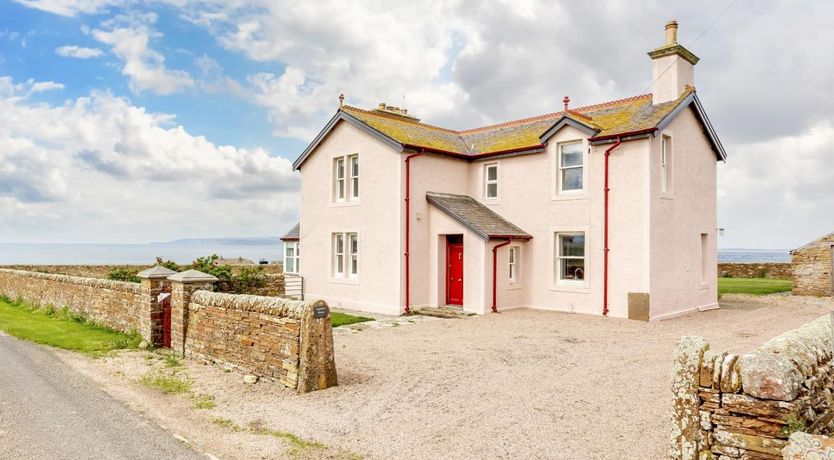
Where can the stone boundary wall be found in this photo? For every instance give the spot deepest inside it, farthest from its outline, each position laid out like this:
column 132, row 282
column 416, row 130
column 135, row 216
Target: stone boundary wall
column 277, row 339
column 778, row 270
column 115, row 304
column 727, row 406
column 86, row 271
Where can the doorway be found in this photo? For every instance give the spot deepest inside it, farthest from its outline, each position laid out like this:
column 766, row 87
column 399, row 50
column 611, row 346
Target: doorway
column 454, row 270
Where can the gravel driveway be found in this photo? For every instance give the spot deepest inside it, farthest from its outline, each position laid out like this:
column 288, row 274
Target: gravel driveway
column 520, row 384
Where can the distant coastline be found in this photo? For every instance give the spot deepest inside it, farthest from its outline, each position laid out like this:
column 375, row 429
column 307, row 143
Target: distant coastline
column 255, row 249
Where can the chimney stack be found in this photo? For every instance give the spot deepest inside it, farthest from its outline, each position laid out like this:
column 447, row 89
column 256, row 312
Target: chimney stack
column 673, row 67
column 397, row 111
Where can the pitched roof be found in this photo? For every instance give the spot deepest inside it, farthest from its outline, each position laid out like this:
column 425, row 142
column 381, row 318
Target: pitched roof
column 477, row 217
column 293, row 234
column 600, row 121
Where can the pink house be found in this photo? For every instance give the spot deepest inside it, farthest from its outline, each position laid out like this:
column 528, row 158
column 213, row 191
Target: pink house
column 606, row 209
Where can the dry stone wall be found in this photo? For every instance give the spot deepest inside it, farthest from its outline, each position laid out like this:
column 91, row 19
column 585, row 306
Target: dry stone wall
column 812, row 268
column 115, row 304
column 748, row 405
column 278, row 339
column 776, row 270
column 86, row 271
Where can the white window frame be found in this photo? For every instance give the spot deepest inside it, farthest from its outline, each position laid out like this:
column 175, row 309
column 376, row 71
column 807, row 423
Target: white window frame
column 704, row 241
column 512, row 264
column 353, row 184
column 666, row 164
column 353, row 255
column 338, row 256
column 488, row 182
column 339, row 181
column 295, row 258
column 560, row 187
column 560, row 259
column 341, row 261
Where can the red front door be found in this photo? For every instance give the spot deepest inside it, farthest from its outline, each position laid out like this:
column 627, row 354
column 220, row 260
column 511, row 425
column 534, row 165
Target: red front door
column 454, row 272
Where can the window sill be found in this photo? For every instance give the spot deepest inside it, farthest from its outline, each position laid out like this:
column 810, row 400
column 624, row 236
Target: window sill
column 704, row 286
column 568, row 196
column 340, row 204
column 666, row 196
column 513, row 287
column 349, row 281
column 571, row 287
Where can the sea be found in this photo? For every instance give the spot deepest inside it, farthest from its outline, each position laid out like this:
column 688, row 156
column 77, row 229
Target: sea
column 138, row 254
column 256, row 251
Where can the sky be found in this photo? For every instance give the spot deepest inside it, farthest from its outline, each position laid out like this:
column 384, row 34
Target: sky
column 136, row 121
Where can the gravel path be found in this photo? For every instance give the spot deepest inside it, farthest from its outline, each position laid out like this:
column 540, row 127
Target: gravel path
column 47, row 411
column 520, row 384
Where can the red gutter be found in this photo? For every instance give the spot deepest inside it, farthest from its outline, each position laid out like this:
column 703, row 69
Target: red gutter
column 620, row 136
column 408, row 230
column 605, row 232
column 495, row 273
column 472, row 157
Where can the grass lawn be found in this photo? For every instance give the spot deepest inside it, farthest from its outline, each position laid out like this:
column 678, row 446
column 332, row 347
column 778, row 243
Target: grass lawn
column 343, row 319
column 756, row 286
column 60, row 328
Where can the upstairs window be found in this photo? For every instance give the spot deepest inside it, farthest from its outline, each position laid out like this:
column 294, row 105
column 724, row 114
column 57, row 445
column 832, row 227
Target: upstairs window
column 292, row 257
column 570, row 257
column 570, row 167
column 491, row 180
column 354, row 176
column 666, row 164
column 346, row 178
column 512, row 269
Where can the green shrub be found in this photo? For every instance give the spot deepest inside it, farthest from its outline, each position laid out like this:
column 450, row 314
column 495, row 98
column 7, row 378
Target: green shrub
column 242, row 280
column 124, row 274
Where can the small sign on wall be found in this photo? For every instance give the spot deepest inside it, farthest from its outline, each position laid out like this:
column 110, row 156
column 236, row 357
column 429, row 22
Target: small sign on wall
column 320, row 312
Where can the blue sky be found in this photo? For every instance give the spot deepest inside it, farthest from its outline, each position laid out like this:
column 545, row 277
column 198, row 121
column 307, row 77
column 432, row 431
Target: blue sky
column 134, row 121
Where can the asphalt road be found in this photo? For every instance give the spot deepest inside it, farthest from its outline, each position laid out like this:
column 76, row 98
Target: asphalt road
column 47, row 411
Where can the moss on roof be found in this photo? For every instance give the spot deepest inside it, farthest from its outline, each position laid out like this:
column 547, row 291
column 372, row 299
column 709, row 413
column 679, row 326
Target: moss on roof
column 610, row 118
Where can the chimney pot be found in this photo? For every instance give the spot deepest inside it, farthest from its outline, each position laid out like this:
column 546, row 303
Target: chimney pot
column 381, row 106
column 672, row 32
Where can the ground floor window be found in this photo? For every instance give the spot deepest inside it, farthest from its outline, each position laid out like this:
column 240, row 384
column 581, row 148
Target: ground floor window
column 345, row 255
column 292, row 257
column 512, row 269
column 570, row 257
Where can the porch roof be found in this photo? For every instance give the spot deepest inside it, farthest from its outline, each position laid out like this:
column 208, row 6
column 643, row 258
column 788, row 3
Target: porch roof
column 293, row 234
column 475, row 216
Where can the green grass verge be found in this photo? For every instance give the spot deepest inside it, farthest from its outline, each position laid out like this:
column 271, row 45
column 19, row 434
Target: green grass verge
column 756, row 286
column 343, row 319
column 168, row 383
column 60, row 329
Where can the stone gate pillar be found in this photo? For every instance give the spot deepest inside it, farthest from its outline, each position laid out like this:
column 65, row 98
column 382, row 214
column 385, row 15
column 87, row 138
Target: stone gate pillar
column 150, row 321
column 182, row 286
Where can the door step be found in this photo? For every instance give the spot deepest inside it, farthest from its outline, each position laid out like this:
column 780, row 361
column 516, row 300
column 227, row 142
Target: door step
column 444, row 312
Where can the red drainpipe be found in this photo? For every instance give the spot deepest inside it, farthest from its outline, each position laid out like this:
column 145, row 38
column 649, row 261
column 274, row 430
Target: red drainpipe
column 408, row 230
column 495, row 273
column 605, row 232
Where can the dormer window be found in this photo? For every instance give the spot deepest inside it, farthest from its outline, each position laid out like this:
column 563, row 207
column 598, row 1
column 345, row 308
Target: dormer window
column 570, row 168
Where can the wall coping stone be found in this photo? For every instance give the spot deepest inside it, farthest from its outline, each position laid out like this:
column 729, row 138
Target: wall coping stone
column 777, row 369
column 124, row 286
column 260, row 304
column 156, row 272
column 192, row 276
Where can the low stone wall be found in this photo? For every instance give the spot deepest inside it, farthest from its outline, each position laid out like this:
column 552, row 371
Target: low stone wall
column 86, row 271
column 744, row 407
column 284, row 340
column 812, row 268
column 115, row 304
column 778, row 270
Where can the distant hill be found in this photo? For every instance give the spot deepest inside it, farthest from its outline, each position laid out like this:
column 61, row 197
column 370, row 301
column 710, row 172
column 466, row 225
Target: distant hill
column 228, row 241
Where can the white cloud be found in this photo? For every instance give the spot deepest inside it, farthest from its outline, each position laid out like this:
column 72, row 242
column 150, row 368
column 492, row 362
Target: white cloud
column 78, row 52
column 45, row 86
column 105, row 169
column 144, row 67
column 71, row 7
